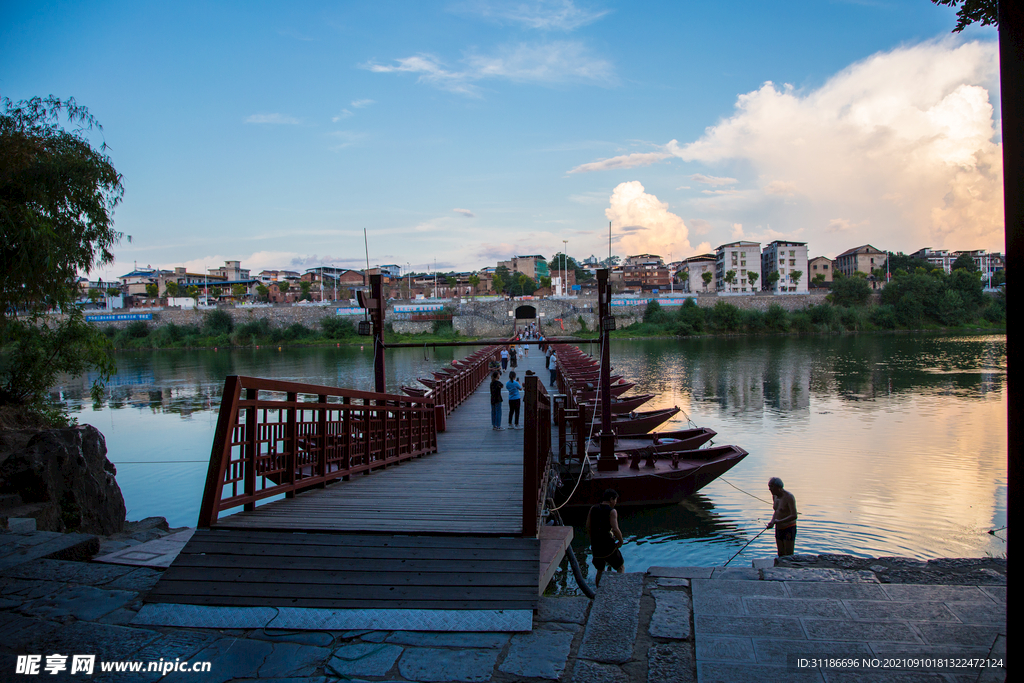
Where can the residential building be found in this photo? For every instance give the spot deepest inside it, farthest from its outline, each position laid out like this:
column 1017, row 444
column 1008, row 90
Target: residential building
column 134, row 283
column 268, row 276
column 691, row 273
column 231, row 271
column 645, row 272
column 184, row 279
column 533, row 266
column 785, row 258
column 740, row 258
column 941, row 258
column 864, row 259
column 820, row 265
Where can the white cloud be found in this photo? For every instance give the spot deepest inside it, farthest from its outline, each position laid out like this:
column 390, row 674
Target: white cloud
column 345, row 138
column 644, row 224
column 624, row 161
column 557, row 15
column 279, row 119
column 901, row 145
column 710, row 179
column 359, row 104
column 547, row 63
column 343, row 114
column 465, row 212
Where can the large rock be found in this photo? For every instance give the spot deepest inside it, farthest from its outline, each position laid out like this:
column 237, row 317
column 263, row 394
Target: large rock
column 66, row 470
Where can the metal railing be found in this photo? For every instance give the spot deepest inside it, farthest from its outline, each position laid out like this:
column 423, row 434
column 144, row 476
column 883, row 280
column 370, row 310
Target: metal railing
column 277, row 438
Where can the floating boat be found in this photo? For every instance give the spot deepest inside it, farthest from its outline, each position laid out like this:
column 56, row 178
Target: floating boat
column 659, row 442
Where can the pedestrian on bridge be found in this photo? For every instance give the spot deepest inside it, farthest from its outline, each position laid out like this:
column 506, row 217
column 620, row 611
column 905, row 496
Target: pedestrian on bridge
column 496, row 401
column 514, row 398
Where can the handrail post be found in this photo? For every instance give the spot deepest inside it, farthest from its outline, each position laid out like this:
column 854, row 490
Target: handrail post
column 221, row 452
column 530, row 457
column 250, row 449
column 291, row 439
column 321, row 428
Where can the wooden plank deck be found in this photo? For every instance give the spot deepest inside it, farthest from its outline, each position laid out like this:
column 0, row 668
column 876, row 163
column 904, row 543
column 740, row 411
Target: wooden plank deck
column 437, row 532
column 350, row 571
column 472, row 485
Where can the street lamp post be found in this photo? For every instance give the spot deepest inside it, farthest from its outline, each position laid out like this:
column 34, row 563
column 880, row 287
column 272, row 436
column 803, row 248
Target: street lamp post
column 565, row 268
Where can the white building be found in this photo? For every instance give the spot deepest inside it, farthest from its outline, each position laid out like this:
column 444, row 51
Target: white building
column 785, row 258
column 740, row 258
column 691, row 273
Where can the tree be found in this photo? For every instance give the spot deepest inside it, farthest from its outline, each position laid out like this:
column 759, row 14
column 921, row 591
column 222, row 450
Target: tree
column 474, row 282
column 730, row 277
column 94, row 294
column 172, row 289
column 818, row 280
column 965, row 262
column 795, row 276
column 752, row 279
column 238, row 290
column 192, row 291
column 152, row 290
column 985, row 12
column 707, row 276
column 502, row 279
column 263, row 292
column 57, row 198
column 305, row 286
column 850, row 291
column 772, row 279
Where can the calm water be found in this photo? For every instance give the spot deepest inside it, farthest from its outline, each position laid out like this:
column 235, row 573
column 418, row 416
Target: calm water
column 893, row 445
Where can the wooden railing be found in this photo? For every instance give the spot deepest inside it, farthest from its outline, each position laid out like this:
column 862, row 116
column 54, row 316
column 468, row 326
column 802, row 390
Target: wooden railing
column 536, row 452
column 277, row 438
column 462, row 378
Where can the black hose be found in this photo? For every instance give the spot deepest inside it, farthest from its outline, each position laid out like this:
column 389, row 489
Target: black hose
column 575, row 564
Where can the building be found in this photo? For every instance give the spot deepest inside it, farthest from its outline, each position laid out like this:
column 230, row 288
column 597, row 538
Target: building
column 134, row 283
column 231, row 271
column 646, row 273
column 789, row 260
column 820, row 265
column 738, row 258
column 268, row 276
column 533, row 266
column 691, row 273
column 184, row 279
column 864, row 259
column 987, row 264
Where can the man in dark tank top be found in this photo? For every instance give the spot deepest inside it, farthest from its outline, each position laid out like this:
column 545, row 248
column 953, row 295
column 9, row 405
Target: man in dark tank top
column 605, row 536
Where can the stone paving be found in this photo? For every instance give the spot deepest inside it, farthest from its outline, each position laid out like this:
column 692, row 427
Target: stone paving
column 670, row 625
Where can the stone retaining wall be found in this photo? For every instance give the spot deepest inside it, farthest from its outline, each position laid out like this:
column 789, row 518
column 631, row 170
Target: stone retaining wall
column 479, row 318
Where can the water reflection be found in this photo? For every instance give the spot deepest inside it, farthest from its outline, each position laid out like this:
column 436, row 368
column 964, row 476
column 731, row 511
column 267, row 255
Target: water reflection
column 893, row 444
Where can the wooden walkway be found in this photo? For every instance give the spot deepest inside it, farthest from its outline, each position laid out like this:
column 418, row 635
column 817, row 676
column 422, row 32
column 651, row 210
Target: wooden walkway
column 437, row 532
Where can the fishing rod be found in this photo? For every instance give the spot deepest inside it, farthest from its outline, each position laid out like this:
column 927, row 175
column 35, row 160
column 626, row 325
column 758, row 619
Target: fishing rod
column 744, row 547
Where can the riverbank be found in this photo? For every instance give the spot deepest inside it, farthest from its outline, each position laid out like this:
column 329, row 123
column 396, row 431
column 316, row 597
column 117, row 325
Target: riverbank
column 669, row 624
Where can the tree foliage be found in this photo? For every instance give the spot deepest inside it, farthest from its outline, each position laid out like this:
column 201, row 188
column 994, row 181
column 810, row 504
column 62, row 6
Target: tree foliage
column 57, row 197
column 985, row 12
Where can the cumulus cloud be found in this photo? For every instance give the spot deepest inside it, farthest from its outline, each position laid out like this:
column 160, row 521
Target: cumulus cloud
column 548, row 63
column 901, row 145
column 465, row 212
column 624, row 161
column 644, row 224
column 278, row 119
column 560, row 15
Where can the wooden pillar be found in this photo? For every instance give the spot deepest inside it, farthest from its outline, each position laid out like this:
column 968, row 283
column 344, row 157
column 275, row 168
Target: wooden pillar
column 606, row 462
column 530, row 458
column 377, row 318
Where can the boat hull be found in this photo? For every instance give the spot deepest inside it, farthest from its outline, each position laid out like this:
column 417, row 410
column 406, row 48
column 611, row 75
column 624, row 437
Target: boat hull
column 652, row 486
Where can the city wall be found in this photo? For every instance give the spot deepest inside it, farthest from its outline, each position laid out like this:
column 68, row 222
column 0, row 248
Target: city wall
column 477, row 318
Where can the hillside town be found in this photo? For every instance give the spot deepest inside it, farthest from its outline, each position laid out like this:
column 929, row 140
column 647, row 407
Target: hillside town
column 733, row 269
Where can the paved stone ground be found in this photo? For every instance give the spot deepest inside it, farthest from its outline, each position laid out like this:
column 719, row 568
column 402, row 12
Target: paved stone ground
column 671, row 625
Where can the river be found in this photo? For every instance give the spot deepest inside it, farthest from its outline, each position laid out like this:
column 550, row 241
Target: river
column 892, row 444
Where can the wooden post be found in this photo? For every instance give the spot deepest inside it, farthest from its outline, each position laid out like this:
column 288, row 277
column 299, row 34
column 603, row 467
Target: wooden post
column 321, row 428
column 530, row 452
column 291, row 439
column 377, row 318
column 251, row 449
column 221, row 452
column 606, row 462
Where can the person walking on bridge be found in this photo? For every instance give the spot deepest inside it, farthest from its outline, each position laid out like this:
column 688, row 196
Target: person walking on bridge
column 496, row 401
column 514, row 399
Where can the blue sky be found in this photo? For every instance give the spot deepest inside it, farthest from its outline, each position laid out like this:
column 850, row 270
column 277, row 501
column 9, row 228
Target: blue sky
column 470, row 131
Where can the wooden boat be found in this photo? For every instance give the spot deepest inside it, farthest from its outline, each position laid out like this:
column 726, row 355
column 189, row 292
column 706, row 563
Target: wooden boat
column 631, row 424
column 667, row 481
column 413, row 391
column 623, row 405
column 658, row 442
column 430, row 383
column 616, row 390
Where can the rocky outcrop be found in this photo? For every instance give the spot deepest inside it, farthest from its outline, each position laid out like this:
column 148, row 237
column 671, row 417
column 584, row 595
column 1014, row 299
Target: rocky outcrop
column 62, row 478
